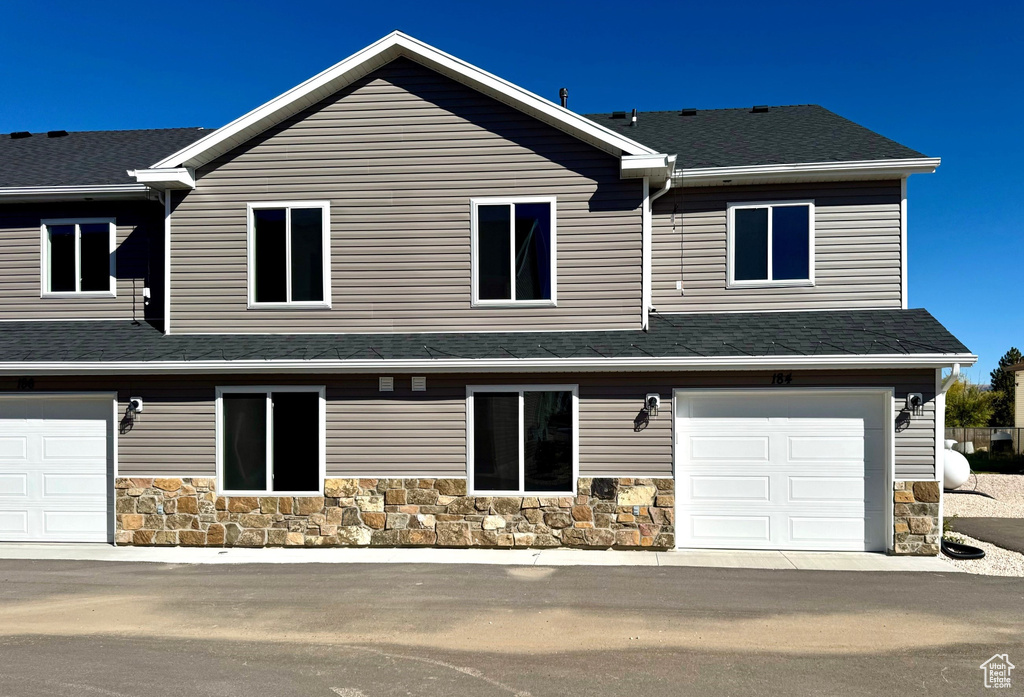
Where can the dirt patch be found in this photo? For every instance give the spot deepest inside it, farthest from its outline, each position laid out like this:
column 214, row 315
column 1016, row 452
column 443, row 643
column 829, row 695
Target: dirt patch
column 499, row 630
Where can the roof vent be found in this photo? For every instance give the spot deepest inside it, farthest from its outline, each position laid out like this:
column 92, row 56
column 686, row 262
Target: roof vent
column 632, row 121
column 563, row 97
column 688, row 112
column 20, row 134
column 618, row 114
column 56, row 134
column 759, row 109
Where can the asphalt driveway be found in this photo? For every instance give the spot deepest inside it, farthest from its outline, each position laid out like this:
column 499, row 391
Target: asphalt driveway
column 1007, row 533
column 111, row 629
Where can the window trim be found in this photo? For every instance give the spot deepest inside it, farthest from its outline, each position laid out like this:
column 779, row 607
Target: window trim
column 250, row 270
column 44, row 258
column 470, row 477
column 731, row 281
column 320, row 390
column 475, row 203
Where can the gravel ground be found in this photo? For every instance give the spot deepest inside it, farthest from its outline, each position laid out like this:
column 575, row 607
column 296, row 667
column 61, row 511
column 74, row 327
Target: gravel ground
column 1008, row 502
column 997, row 561
column 1008, row 490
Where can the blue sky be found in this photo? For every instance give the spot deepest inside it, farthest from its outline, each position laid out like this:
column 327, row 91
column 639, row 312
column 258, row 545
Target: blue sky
column 943, row 78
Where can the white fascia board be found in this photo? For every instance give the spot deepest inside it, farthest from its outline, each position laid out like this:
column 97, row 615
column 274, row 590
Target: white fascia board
column 165, row 177
column 392, row 46
column 508, row 365
column 656, row 166
column 806, row 171
column 13, row 194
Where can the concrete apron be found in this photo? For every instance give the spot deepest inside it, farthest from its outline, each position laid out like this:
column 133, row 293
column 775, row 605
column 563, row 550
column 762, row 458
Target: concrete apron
column 731, row 559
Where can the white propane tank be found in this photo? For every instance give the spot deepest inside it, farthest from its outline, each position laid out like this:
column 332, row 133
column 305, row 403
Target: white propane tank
column 956, row 469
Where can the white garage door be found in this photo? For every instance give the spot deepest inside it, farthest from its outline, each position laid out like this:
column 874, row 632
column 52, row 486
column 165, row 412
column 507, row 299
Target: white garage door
column 781, row 470
column 55, row 468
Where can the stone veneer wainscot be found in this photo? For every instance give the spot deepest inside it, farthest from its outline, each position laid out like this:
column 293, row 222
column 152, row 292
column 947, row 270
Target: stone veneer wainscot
column 606, row 512
column 916, row 518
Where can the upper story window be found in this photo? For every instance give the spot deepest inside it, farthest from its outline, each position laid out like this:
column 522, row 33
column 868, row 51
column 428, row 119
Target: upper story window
column 289, row 254
column 523, row 439
column 514, row 251
column 78, row 257
column 771, row 244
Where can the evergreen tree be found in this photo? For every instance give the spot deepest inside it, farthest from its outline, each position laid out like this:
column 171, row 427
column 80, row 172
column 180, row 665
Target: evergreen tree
column 1003, row 387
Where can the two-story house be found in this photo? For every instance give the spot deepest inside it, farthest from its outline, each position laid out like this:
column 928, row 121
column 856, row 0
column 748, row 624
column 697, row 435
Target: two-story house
column 410, row 303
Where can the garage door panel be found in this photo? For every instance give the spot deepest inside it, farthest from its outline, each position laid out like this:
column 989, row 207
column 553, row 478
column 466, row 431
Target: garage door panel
column 827, row 448
column 724, row 488
column 14, row 522
column 836, row 406
column 730, row 528
column 74, row 522
column 74, row 447
column 13, row 485
column 826, row 488
column 77, row 485
column 13, row 449
column 833, row 531
column 729, row 447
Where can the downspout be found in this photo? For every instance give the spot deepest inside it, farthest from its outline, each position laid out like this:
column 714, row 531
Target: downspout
column 647, row 247
column 167, row 262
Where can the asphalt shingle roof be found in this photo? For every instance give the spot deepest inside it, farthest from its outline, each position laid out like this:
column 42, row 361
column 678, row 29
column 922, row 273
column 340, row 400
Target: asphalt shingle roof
column 836, row 333
column 737, row 137
column 710, row 138
column 87, row 157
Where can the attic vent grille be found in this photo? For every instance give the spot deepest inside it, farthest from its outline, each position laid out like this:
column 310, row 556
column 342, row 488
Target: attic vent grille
column 386, row 385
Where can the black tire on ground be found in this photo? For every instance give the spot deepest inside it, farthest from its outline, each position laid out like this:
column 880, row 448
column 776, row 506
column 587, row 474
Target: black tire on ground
column 955, row 550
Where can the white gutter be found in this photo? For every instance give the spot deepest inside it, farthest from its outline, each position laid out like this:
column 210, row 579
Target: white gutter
column 165, row 178
column 483, row 365
column 807, row 171
column 78, row 191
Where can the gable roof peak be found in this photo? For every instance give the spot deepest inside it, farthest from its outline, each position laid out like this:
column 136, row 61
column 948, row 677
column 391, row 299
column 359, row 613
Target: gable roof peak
column 395, row 45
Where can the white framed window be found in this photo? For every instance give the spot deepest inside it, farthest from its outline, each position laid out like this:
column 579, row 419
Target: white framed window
column 522, row 439
column 771, row 244
column 78, row 258
column 289, row 250
column 271, row 440
column 514, row 251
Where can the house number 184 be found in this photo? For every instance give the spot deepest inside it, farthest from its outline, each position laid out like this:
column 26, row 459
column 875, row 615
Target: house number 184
column 782, row 378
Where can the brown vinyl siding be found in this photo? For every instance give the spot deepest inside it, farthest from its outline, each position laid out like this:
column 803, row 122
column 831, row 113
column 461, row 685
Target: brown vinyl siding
column 139, row 257
column 856, row 248
column 407, row 434
column 399, row 154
